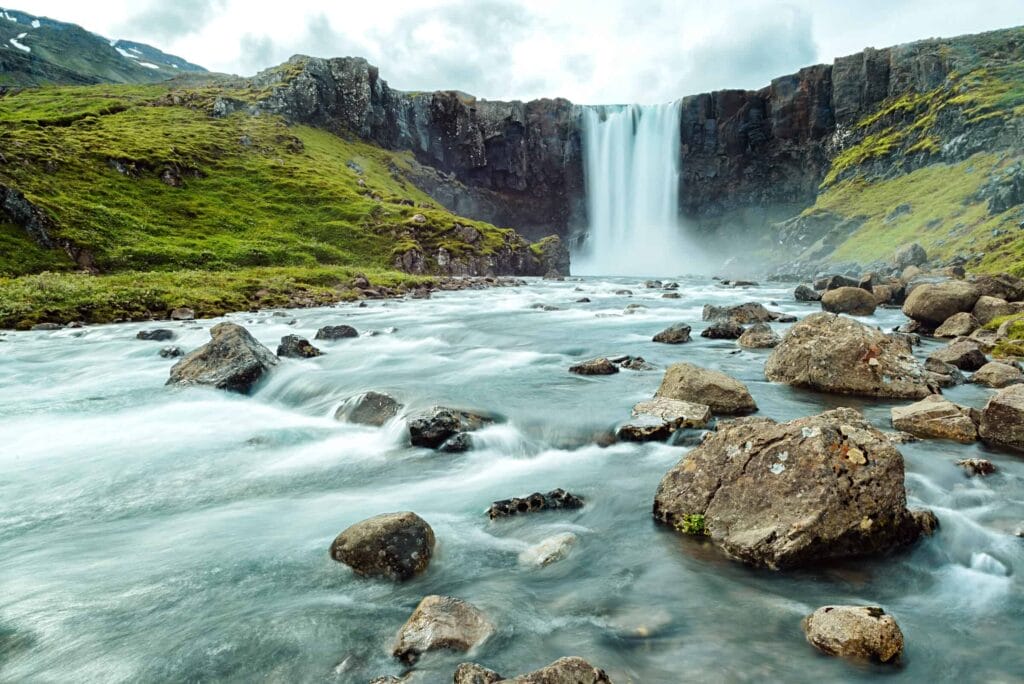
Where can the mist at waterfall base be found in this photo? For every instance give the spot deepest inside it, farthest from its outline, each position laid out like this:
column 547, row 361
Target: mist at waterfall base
column 631, row 168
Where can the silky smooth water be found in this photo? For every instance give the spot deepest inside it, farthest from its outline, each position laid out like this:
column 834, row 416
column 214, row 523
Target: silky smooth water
column 631, row 168
column 150, row 533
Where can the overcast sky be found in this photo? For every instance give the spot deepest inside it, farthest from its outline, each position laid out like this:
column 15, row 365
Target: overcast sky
column 590, row 51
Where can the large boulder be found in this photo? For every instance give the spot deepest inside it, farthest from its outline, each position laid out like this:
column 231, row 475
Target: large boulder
column 997, row 375
column 849, row 300
column 394, row 545
column 440, row 424
column 831, row 353
column 723, row 330
column 441, row 622
column 790, row 494
column 937, row 417
column 1002, row 419
column 759, row 336
column 724, row 395
column 674, row 334
column 371, row 408
column 958, row 325
column 909, row 255
column 751, row 312
column 232, row 360
column 863, row 632
column 989, row 308
column 964, row 353
column 933, row 303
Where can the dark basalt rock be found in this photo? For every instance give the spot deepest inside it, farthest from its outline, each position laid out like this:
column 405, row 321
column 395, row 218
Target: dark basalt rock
column 295, row 347
column 723, row 330
column 553, row 500
column 804, row 293
column 336, row 332
column 171, row 352
column 233, row 360
column 434, row 428
column 156, row 335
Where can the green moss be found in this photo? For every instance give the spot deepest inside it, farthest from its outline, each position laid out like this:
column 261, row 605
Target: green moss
column 872, row 146
column 19, row 255
column 692, row 524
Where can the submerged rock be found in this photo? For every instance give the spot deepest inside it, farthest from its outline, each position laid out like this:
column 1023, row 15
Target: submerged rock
column 791, row 494
column 156, row 335
column 997, row 375
column 441, row 622
column 295, row 347
column 636, row 363
column 394, row 545
column 935, row 417
column 864, row 632
column 723, row 330
column 751, row 312
column 977, row 466
column 674, row 334
column 849, row 300
column 553, row 500
column 599, row 366
column 171, row 352
column 759, row 336
column 336, row 332
column 435, row 427
column 232, row 360
column 1002, row 419
column 933, row 303
column 549, row 551
column 832, row 353
column 371, row 408
column 690, row 383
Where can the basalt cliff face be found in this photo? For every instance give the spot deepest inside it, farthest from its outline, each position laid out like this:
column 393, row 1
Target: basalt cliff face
column 751, row 160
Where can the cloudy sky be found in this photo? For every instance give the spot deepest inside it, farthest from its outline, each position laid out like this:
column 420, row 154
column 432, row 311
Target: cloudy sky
column 590, row 51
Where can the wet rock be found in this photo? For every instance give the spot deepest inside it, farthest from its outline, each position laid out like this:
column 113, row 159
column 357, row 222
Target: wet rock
column 441, row 622
column 958, row 325
column 671, row 295
column 435, row 427
column 394, row 545
column 371, row 408
column 674, row 334
column 599, row 366
column 997, row 375
column 171, row 352
column 564, row 671
column 723, row 330
column 295, row 347
column 977, row 466
column 645, row 429
column 156, row 335
column 791, row 494
column 624, row 292
column 724, row 395
column 1002, row 419
column 553, row 500
column 751, row 312
column 336, row 332
column 805, row 293
column 965, row 354
column 635, row 363
column 653, row 284
column 458, row 443
column 832, row 353
column 943, row 374
column 182, row 313
column 679, row 414
column 233, row 360
column 935, row 417
column 849, row 300
column 671, row 286
column 549, row 551
column 545, row 307
column 759, row 336
column 909, row 255
column 583, row 300
column 471, row 673
column 863, row 632
column 933, row 303
column 633, row 308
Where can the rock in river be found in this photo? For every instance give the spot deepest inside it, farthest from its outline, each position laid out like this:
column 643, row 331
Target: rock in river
column 849, row 300
column 336, row 332
column 295, row 347
column 935, row 417
column 232, row 360
column 806, row 293
column 599, row 366
column 751, row 312
column 759, row 336
column 933, row 303
column 471, row 673
column 674, row 334
column 958, row 325
column 791, row 494
column 724, row 395
column 864, row 632
column 1002, row 419
column 964, row 353
column 548, row 551
column 441, row 622
column 997, row 375
column 440, row 424
column 723, row 330
column 659, row 418
column 563, row 671
column 832, row 353
column 156, row 335
column 395, row 545
column 371, row 408
column 553, row 500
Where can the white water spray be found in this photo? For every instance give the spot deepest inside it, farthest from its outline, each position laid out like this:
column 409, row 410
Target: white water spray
column 631, row 166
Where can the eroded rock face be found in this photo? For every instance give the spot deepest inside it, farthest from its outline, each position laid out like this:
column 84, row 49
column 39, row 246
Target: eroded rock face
column 864, row 632
column 1002, row 419
column 674, row 334
column 690, row 383
column 394, row 545
column 232, row 360
column 997, row 375
column 849, row 300
column 759, row 336
column 936, row 417
column 371, row 408
column 832, row 353
column 440, row 424
column 790, row 494
column 933, row 303
column 295, row 347
column 441, row 622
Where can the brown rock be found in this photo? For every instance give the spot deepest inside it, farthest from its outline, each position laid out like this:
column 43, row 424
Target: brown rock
column 394, row 545
column 1002, row 419
column 933, row 303
column 977, row 466
column 958, row 325
column 964, row 353
column 724, row 395
column 598, row 366
column 935, row 417
column 564, row 671
column 674, row 334
column 864, row 632
column 441, row 622
column 849, row 300
column 988, row 308
column 997, row 375
column 759, row 336
column 471, row 673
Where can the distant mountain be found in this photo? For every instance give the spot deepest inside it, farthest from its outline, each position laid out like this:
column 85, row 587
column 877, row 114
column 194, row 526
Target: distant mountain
column 41, row 51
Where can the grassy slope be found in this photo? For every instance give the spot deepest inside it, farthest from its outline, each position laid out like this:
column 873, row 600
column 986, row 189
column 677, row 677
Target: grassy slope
column 255, row 194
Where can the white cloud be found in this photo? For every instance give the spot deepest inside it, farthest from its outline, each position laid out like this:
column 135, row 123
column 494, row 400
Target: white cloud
column 586, row 50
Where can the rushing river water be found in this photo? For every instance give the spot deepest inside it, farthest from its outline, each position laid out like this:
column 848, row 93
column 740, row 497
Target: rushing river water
column 157, row 534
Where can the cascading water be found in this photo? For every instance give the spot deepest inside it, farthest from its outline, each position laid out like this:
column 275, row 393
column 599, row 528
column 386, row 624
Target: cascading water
column 631, row 166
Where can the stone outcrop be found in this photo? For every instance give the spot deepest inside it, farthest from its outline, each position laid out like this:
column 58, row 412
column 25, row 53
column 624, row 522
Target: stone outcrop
column 394, row 545
column 783, row 495
column 864, row 632
column 832, row 353
column 722, row 394
column 232, row 360
column 441, row 622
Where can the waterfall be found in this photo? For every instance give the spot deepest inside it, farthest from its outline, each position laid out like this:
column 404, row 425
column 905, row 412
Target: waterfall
column 631, row 167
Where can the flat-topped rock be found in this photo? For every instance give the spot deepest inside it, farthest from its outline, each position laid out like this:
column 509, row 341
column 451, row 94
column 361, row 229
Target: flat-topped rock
column 690, row 383
column 935, row 417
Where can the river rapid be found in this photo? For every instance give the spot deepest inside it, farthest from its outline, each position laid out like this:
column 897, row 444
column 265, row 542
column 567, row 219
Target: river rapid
column 150, row 533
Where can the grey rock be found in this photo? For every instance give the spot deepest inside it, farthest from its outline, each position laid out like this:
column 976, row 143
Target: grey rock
column 336, row 332
column 599, row 366
column 295, row 347
column 556, row 499
column 156, row 335
column 233, row 360
column 398, row 546
column 436, row 426
column 677, row 333
column 370, row 408
column 690, row 383
column 441, row 622
column 862, row 632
